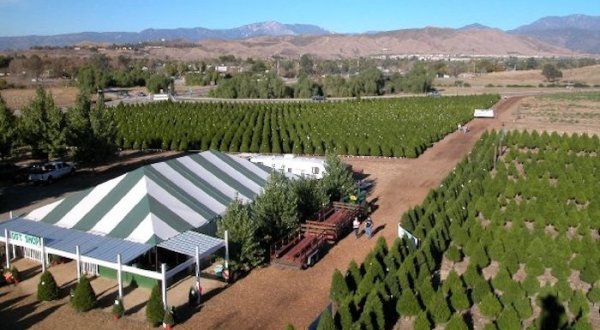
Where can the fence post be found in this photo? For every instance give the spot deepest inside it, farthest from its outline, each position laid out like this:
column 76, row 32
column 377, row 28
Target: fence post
column 119, row 276
column 78, row 263
column 163, row 270
column 43, row 256
column 7, row 247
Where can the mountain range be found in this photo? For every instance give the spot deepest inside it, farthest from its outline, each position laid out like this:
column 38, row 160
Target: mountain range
column 547, row 36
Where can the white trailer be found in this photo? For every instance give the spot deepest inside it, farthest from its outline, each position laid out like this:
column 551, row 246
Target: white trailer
column 288, row 163
column 484, row 113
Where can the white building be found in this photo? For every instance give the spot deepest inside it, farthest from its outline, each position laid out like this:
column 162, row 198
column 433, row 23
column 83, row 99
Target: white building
column 301, row 166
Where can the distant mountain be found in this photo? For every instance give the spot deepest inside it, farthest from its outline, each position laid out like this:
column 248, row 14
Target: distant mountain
column 475, row 26
column 576, row 32
column 189, row 34
column 408, row 42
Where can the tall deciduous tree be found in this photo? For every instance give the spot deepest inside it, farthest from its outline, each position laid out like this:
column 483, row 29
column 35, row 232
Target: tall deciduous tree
column 244, row 249
column 7, row 130
column 551, row 72
column 275, row 210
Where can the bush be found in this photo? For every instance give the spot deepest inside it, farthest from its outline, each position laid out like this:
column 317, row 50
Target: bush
column 438, row 307
column 578, row 263
column 523, row 308
column 480, row 290
column 168, row 317
column 47, row 288
column 578, row 305
column 117, row 309
column 155, row 311
column 590, row 273
column 531, row 285
column 459, row 299
column 11, row 275
column 84, row 297
column 339, row 289
column 583, row 323
column 326, row 321
column 454, row 254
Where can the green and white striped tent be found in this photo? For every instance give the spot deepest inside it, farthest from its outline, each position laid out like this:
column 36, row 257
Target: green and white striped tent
column 159, row 201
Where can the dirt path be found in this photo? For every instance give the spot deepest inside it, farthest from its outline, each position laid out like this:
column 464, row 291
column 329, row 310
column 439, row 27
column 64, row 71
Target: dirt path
column 272, row 297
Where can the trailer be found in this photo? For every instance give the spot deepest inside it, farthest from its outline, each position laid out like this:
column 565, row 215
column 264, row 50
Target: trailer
column 484, row 113
column 304, row 247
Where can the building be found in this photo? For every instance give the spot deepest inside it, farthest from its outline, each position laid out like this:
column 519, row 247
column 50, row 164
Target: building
column 288, row 163
column 148, row 224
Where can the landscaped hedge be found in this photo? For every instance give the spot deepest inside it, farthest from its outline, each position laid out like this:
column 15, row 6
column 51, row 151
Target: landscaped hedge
column 401, row 127
column 530, row 215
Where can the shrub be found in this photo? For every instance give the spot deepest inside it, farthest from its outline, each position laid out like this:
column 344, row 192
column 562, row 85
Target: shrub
column 117, row 309
column 290, row 326
column 582, row 323
column 490, row 306
column 47, row 288
column 523, row 308
column 339, row 289
column 344, row 314
column 168, row 317
column 84, row 297
column 459, row 299
column 578, row 263
column 531, row 285
column 480, row 290
column 534, row 267
column 590, row 273
column 155, row 311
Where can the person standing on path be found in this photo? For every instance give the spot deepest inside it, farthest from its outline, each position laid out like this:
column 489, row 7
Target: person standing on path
column 356, row 226
column 368, row 227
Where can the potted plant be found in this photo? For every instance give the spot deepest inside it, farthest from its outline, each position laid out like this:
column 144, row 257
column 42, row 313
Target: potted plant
column 117, row 309
column 11, row 275
column 168, row 320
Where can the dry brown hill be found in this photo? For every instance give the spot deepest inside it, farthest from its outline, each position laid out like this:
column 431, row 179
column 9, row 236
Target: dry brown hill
column 402, row 42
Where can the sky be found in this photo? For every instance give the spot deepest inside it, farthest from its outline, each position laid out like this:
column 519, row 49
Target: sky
column 48, row 17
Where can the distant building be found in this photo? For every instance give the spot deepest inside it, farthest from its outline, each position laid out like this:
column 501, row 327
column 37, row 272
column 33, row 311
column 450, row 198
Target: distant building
column 301, row 166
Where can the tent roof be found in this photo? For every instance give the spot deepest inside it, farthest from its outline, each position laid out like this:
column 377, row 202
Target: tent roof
column 186, row 243
column 158, row 201
column 94, row 246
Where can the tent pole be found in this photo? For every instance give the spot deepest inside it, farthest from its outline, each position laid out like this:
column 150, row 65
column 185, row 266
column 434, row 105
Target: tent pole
column 7, row 247
column 78, row 263
column 119, row 276
column 197, row 263
column 163, row 270
column 226, row 251
column 43, row 255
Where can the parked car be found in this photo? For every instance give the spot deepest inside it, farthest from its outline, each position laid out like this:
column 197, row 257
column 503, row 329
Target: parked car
column 49, row 172
column 318, row 98
column 12, row 172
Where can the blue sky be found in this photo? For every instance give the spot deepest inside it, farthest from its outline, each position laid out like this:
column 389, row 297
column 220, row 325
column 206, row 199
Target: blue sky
column 45, row 17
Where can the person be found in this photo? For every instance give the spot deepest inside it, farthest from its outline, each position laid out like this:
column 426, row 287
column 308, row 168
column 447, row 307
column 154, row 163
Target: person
column 459, row 127
column 368, row 227
column 356, row 226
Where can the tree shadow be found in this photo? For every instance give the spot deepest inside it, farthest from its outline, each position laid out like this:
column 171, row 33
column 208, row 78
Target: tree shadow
column 553, row 314
column 30, row 272
column 186, row 311
column 34, row 319
column 378, row 229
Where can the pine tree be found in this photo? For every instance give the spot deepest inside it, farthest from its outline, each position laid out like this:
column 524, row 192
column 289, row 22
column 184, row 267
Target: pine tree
column 326, row 321
column 337, row 181
column 456, row 323
column 490, row 306
column 422, row 322
column 339, row 289
column 408, row 304
column 582, row 323
column 459, row 299
column 245, row 251
column 354, row 276
column 344, row 313
column 438, row 307
column 47, row 288
column 290, row 326
column 275, row 210
column 578, row 305
column 508, row 319
column 594, row 295
column 155, row 310
column 84, row 297
column 33, row 123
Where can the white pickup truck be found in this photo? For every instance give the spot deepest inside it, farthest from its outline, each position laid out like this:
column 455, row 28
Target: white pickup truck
column 50, row 171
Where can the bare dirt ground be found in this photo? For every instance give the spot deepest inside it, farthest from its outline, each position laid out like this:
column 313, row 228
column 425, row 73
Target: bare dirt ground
column 271, row 297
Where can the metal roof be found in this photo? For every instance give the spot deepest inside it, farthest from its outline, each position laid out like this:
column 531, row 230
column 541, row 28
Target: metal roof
column 94, row 246
column 186, row 242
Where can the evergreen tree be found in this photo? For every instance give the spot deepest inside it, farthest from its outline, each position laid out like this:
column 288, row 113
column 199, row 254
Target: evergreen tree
column 438, row 307
column 47, row 288
column 408, row 305
column 326, row 321
column 422, row 322
column 508, row 319
column 84, row 297
column 311, row 196
column 578, row 305
column 8, row 130
column 33, row 123
column 459, row 299
column 245, row 251
column 457, row 323
column 337, row 181
column 582, row 323
column 344, row 313
column 275, row 209
column 594, row 295
column 354, row 276
column 56, row 140
column 339, row 289
column 490, row 306
column 155, row 310
column 290, row 326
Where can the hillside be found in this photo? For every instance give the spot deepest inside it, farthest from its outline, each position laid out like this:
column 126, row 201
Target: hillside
column 576, row 32
column 401, row 42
